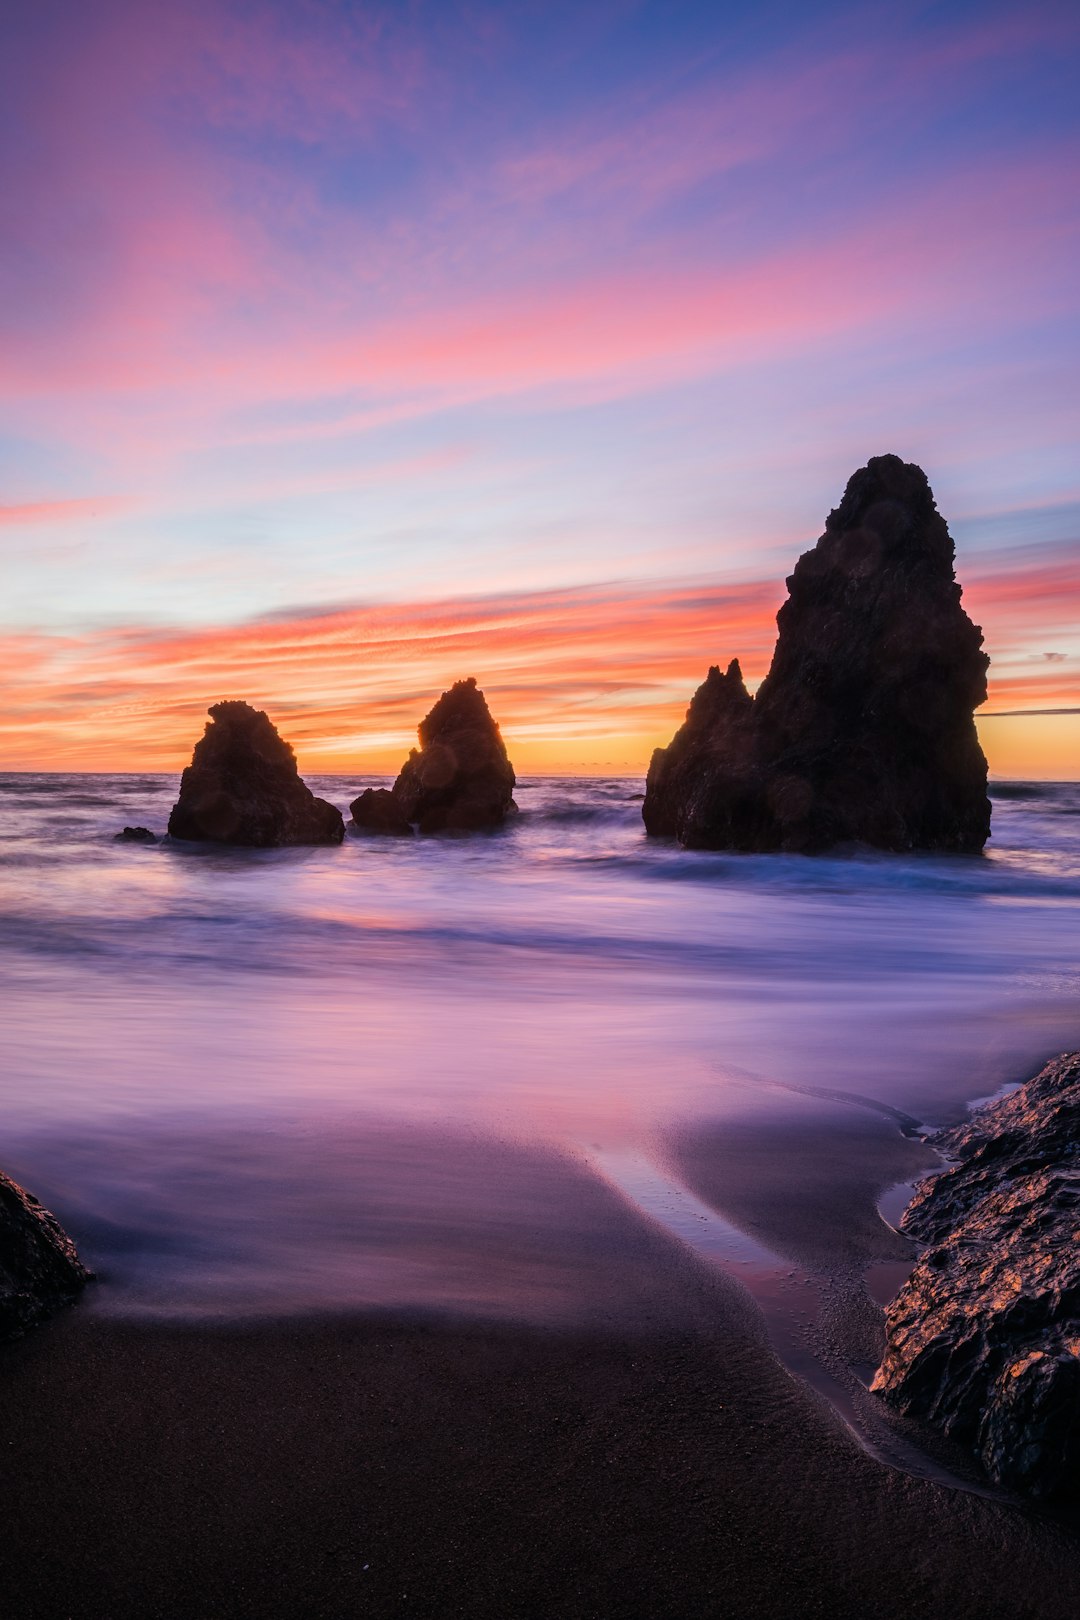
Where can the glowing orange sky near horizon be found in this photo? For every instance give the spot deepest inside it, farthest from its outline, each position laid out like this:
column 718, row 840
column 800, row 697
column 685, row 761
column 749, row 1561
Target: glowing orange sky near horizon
column 581, row 680
column 528, row 343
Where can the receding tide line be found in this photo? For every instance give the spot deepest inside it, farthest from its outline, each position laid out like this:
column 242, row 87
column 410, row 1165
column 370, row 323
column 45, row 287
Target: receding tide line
column 790, row 1300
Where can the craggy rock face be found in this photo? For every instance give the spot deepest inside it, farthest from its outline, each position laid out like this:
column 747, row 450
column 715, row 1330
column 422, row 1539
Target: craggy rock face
column 40, row 1271
column 863, row 729
column 242, row 787
column 717, row 730
column 135, row 835
column 984, row 1338
column 459, row 780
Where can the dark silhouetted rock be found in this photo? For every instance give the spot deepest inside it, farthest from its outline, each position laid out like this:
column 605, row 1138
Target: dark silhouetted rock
column 863, row 729
column 377, row 811
column 718, row 727
column 983, row 1340
column 459, row 780
column 135, row 835
column 242, row 787
column 39, row 1269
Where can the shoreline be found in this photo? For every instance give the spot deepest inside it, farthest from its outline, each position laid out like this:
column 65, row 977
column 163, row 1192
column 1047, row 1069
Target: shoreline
column 388, row 1463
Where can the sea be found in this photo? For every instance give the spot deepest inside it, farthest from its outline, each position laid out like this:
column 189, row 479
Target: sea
column 419, row 1074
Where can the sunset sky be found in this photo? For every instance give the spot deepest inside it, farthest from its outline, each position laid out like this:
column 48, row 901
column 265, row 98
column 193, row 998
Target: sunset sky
column 352, row 348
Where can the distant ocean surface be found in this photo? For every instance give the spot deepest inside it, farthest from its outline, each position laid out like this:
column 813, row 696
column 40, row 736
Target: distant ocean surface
column 372, row 1076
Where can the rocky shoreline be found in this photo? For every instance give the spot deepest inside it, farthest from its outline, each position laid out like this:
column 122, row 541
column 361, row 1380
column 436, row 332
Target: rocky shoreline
column 983, row 1340
column 40, row 1270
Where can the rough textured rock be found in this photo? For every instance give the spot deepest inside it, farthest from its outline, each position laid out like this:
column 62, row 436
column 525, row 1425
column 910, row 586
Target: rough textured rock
column 459, row 780
column 135, row 835
column 39, row 1269
column 984, row 1338
column 716, row 735
column 243, row 787
column 863, row 729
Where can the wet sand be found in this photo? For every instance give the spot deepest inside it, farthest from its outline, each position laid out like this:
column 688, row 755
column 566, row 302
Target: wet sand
column 659, row 1463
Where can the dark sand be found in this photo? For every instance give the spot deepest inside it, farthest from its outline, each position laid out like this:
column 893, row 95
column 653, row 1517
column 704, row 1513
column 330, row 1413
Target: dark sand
column 659, row 1464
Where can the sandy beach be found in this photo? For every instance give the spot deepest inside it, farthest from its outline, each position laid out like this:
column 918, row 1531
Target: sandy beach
column 663, row 1464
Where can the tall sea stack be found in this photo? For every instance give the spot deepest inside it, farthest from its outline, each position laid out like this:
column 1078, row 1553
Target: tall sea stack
column 863, row 729
column 243, row 787
column 458, row 780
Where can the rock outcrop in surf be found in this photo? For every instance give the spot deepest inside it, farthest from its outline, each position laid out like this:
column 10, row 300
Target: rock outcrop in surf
column 983, row 1340
column 458, row 780
column 863, row 729
column 243, row 787
column 40, row 1271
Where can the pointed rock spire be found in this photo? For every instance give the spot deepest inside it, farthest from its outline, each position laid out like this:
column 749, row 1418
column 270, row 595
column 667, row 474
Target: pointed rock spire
column 863, row 729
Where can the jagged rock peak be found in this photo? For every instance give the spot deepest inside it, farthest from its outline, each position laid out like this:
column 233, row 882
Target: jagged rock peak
column 983, row 1339
column 719, row 693
column 711, row 739
column 459, row 780
column 462, row 708
column 863, row 728
column 40, row 1271
column 243, row 787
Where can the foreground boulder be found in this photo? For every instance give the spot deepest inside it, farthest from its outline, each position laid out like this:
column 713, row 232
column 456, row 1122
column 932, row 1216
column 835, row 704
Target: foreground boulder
column 243, row 787
column 983, row 1340
column 863, row 729
column 459, row 780
column 39, row 1269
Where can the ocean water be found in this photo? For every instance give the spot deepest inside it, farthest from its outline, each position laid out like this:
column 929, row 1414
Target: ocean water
column 439, row 1075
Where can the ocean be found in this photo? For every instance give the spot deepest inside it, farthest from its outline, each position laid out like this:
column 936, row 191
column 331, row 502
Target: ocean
column 417, row 1075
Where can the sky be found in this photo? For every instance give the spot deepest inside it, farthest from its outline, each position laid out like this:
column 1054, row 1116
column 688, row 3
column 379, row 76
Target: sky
column 348, row 349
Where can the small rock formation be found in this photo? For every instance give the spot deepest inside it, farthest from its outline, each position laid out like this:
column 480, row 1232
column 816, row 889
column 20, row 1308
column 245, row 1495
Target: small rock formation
column 39, row 1269
column 983, row 1340
column 243, row 787
column 135, row 835
column 459, row 780
column 377, row 811
column 863, row 729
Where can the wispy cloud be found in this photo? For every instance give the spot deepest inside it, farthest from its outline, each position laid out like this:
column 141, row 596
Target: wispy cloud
column 572, row 674
column 471, row 271
column 62, row 511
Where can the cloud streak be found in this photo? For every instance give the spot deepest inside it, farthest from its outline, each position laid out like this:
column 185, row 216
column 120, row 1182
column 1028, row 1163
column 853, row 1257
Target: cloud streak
column 346, row 297
column 591, row 675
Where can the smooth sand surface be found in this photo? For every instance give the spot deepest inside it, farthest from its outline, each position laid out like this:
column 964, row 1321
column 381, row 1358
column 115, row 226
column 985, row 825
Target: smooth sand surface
column 664, row 1465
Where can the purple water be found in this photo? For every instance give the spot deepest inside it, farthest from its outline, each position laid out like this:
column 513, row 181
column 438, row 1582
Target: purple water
column 392, row 1074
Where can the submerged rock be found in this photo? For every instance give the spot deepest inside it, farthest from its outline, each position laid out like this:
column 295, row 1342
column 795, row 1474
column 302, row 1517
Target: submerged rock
column 983, row 1340
column 863, row 729
column 459, row 780
column 40, row 1271
column 243, row 787
column 135, row 835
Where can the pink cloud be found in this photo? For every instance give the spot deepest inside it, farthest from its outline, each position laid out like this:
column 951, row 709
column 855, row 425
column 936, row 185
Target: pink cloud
column 65, row 511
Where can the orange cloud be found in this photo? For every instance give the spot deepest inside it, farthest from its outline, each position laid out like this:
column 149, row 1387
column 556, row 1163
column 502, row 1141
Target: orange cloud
column 575, row 676
column 592, row 677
